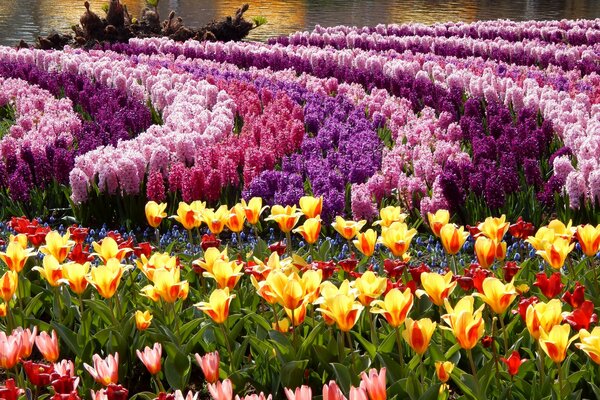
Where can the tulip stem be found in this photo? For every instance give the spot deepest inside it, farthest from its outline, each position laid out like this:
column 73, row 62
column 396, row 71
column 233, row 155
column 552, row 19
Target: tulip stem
column 374, row 338
column 400, row 349
column 288, row 245
column 190, row 237
column 10, row 322
column 422, row 371
column 228, row 346
column 80, row 308
column 293, row 329
column 275, row 316
column 157, row 237
column 454, row 264
column 472, row 363
column 495, row 354
column 441, row 331
column 161, row 388
column 542, row 364
column 504, row 334
column 560, row 380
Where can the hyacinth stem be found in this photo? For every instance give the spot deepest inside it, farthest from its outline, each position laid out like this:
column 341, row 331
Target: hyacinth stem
column 472, row 363
column 288, row 244
column 400, row 349
column 161, row 388
column 504, row 334
column 541, row 358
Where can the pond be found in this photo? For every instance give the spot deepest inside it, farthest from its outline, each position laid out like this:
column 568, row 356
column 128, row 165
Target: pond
column 25, row 19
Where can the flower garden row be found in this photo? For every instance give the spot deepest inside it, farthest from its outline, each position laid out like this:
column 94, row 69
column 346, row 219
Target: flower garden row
column 119, row 317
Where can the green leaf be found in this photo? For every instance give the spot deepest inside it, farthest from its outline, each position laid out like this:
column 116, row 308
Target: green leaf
column 67, row 336
column 368, row 346
column 100, row 308
column 292, row 373
column 177, row 370
column 343, row 377
column 312, row 336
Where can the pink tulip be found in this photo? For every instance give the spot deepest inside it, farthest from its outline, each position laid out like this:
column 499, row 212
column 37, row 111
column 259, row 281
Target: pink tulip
column 104, row 371
column 65, row 368
column 48, row 346
column 210, row 366
column 254, row 396
column 302, row 393
column 331, row 391
column 27, row 341
column 358, row 393
column 179, row 395
column 221, row 391
column 374, row 384
column 10, row 348
column 151, row 358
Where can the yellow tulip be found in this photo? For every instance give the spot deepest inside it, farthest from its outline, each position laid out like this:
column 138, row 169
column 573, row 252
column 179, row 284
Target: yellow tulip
column 590, row 343
column 211, row 255
column 395, row 306
column 418, row 334
column 216, row 219
column 397, row 238
column 543, row 236
column 328, row 292
column 556, row 342
column 438, row 220
column 16, row 256
column 543, row 316
column 487, row 250
column 298, row 315
column 253, row 209
column 370, row 287
column 436, row 286
column 561, row 230
column 365, row 242
column 167, row 286
column 236, row 218
column 75, row 275
column 142, row 320
column 589, row 239
column 106, row 278
column 494, row 228
column 156, row 261
column 348, row 229
column 8, row 285
column 225, row 273
column 290, row 291
column 443, row 370
column 311, row 206
column 556, row 253
column 155, row 213
column 343, row 309
column 110, row 249
column 217, row 306
column 21, row 239
column 311, row 281
column 187, row 216
column 389, row 215
column 466, row 325
column 51, row 270
column 310, row 230
column 496, row 294
column 453, row 238
column 286, row 217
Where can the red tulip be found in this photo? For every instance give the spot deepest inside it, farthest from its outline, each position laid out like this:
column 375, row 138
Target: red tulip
column 576, row 298
column 394, row 268
column 487, row 341
column 513, row 362
column 116, row 392
column 521, row 229
column 144, row 248
column 582, row 317
column 510, row 270
column 348, row 264
column 78, row 234
column 523, row 304
column 415, row 272
column 210, row 240
column 550, row 287
column 64, row 384
column 38, row 374
column 80, row 255
column 10, row 391
column 277, row 247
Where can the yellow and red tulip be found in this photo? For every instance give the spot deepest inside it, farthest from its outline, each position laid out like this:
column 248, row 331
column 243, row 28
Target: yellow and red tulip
column 453, row 238
column 590, row 343
column 16, row 256
column 236, row 218
column 8, row 285
column 497, row 295
column 75, row 275
column 253, row 209
column 494, row 228
column 311, row 206
column 418, row 334
column 370, row 287
column 556, row 253
column 187, row 216
column 437, row 287
column 106, row 278
column 310, row 230
column 465, row 323
column 167, row 286
column 216, row 220
column 211, row 256
column 347, row 229
column 365, row 242
column 155, row 213
column 225, row 273
column 589, row 239
column 142, row 320
column 51, row 270
column 438, row 220
column 389, row 215
column 57, row 245
column 543, row 316
column 443, row 370
column 343, row 309
column 217, row 306
column 488, row 250
column 394, row 307
column 397, row 238
column 108, row 249
column 556, row 342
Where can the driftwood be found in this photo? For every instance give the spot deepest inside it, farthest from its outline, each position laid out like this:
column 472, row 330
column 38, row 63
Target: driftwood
column 118, row 27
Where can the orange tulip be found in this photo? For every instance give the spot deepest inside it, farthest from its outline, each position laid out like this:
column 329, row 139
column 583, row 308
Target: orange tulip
column 348, row 229
column 311, row 206
column 438, row 220
column 589, row 239
column 496, row 294
column 365, row 242
column 453, row 238
column 466, row 324
column 436, row 286
column 310, row 230
column 217, row 306
column 155, row 213
column 556, row 342
column 286, row 217
column 253, row 209
column 418, row 334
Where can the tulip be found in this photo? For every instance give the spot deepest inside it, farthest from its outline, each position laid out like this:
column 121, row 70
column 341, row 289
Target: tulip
column 253, row 396
column 543, row 236
column 310, row 230
column 513, row 362
column 286, row 217
column 331, row 391
column 369, row 287
column 576, row 298
column 75, row 275
column 298, row 315
column 221, row 391
column 436, row 286
column 374, row 383
column 155, row 213
column 216, row 220
column 302, row 393
column 348, row 229
column 497, row 295
column 521, row 229
column 582, row 317
column 3, row 310
column 343, row 309
column 236, row 218
column 389, row 215
column 590, row 343
column 253, row 209
column 443, row 370
column 311, row 206
column 16, row 256
column 556, row 253
column 397, row 238
column 395, row 306
column 466, row 324
column 187, row 216
column 8, row 285
column 487, row 250
column 38, row 374
column 142, row 320
column 418, row 334
column 51, row 270
column 438, row 220
column 48, row 346
column 561, row 230
column 282, row 325
column 10, row 391
column 589, row 239
column 27, row 341
column 110, row 249
column 209, row 363
column 211, row 255
column 104, row 371
column 106, row 278
column 167, row 286
column 289, row 290
column 57, row 245
column 358, row 393
column 10, row 349
column 543, row 316
column 65, row 368
column 453, row 238
column 556, row 342
column 494, row 228
column 550, row 287
column 226, row 273
column 151, row 358
column 217, row 306
column 365, row 242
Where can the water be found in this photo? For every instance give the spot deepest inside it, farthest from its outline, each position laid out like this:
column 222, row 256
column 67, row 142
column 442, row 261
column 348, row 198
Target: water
column 26, row 19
